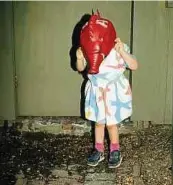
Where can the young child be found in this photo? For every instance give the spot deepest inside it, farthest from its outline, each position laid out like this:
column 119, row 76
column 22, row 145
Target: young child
column 108, row 99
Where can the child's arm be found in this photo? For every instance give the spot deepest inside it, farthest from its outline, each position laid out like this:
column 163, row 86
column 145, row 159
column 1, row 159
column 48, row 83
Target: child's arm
column 81, row 63
column 129, row 59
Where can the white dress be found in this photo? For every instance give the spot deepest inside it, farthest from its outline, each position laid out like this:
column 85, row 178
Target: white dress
column 108, row 97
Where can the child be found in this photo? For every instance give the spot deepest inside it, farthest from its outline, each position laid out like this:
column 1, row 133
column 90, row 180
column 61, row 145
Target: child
column 108, row 99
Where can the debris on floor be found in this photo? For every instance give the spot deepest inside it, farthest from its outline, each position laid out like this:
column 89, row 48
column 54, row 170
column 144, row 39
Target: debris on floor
column 28, row 158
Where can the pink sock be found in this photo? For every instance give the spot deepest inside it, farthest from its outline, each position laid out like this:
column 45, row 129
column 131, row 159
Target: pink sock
column 114, row 146
column 99, row 147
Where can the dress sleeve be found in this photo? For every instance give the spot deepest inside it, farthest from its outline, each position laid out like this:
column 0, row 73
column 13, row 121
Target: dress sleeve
column 127, row 49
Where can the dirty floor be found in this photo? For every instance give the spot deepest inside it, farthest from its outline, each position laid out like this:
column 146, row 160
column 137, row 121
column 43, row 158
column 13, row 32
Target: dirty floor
column 45, row 159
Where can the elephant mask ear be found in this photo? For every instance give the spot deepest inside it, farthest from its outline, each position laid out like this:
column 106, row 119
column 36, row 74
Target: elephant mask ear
column 92, row 12
column 98, row 13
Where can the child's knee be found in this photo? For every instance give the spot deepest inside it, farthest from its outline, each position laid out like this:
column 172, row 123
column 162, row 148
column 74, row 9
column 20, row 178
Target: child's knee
column 99, row 125
column 110, row 127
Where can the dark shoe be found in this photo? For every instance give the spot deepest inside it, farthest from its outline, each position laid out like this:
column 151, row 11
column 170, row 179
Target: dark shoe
column 115, row 159
column 95, row 158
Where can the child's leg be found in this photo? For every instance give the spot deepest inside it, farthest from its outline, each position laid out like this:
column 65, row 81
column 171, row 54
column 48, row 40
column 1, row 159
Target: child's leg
column 114, row 137
column 98, row 154
column 115, row 156
column 99, row 137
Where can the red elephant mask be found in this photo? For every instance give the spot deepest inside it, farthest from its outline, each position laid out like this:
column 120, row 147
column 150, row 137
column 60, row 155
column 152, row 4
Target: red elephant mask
column 97, row 38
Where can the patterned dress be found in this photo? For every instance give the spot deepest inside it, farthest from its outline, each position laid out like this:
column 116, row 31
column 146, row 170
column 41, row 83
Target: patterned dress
column 108, row 97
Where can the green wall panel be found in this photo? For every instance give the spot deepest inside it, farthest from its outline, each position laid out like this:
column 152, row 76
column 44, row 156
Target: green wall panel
column 47, row 85
column 7, row 91
column 151, row 83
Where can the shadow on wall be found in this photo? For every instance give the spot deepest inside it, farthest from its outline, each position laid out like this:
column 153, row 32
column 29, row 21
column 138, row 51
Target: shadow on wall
column 76, row 39
column 75, row 45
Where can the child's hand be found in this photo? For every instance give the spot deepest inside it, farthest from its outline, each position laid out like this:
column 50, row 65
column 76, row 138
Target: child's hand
column 79, row 54
column 119, row 45
column 130, row 61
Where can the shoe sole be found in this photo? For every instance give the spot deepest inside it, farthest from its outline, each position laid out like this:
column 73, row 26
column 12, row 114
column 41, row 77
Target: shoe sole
column 94, row 165
column 111, row 166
